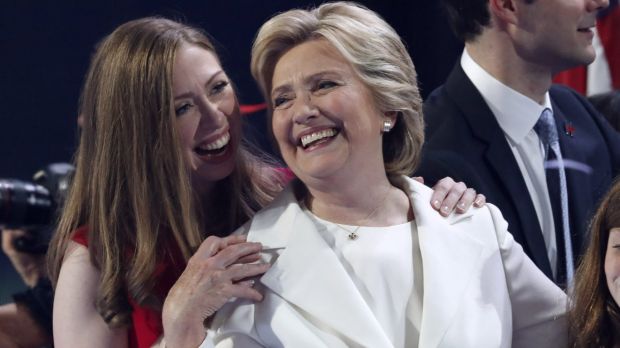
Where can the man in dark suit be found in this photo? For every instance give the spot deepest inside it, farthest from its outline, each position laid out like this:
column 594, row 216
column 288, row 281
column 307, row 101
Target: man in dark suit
column 481, row 123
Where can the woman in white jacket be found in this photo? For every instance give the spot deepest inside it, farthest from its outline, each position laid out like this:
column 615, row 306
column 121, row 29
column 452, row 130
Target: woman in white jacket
column 358, row 259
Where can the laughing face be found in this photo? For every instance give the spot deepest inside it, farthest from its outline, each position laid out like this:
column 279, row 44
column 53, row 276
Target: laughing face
column 207, row 115
column 324, row 119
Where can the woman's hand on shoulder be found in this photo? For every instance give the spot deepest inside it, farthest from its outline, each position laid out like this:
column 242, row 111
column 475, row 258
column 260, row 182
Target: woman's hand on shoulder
column 449, row 196
column 219, row 271
column 76, row 320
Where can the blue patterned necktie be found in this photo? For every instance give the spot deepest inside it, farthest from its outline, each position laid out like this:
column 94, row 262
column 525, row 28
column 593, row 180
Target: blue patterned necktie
column 548, row 134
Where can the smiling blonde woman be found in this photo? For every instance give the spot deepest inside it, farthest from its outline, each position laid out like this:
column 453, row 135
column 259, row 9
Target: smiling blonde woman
column 358, row 258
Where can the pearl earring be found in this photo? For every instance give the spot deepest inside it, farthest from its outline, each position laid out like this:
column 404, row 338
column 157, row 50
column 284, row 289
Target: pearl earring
column 387, row 126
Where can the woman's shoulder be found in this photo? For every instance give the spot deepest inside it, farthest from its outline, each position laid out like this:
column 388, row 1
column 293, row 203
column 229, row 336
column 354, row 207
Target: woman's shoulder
column 74, row 303
column 273, row 224
column 76, row 261
column 495, row 220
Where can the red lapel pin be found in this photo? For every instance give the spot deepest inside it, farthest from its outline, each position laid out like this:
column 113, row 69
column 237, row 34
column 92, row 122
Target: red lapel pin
column 569, row 129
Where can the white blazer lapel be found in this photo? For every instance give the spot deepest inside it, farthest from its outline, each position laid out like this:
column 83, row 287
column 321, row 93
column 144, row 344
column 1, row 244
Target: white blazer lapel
column 450, row 259
column 309, row 275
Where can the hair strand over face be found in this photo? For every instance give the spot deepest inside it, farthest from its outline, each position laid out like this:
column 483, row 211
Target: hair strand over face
column 594, row 315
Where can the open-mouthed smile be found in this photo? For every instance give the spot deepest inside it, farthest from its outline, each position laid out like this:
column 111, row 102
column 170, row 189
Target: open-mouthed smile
column 213, row 148
column 317, row 137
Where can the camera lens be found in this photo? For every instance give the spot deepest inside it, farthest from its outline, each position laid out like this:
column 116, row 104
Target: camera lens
column 24, row 204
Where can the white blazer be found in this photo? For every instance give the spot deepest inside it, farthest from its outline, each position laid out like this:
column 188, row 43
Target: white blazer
column 480, row 289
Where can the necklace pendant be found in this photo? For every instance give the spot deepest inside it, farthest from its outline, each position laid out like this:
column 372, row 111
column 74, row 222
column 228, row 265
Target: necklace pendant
column 352, row 236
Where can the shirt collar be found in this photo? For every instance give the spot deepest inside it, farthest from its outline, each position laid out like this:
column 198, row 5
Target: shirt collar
column 516, row 113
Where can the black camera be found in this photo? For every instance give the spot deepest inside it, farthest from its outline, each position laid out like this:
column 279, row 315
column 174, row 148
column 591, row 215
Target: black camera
column 33, row 205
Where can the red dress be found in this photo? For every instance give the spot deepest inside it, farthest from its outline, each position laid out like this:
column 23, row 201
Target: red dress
column 146, row 324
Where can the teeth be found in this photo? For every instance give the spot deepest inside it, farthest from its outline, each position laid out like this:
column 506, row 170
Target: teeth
column 312, row 137
column 218, row 144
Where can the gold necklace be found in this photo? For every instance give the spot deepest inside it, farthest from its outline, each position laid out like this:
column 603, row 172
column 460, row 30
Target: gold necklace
column 353, row 233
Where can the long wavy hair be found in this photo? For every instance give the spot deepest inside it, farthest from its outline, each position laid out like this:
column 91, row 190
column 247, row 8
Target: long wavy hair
column 594, row 315
column 132, row 188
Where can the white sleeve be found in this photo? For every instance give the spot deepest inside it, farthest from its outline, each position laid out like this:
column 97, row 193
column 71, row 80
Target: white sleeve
column 228, row 339
column 238, row 340
column 233, row 326
column 538, row 306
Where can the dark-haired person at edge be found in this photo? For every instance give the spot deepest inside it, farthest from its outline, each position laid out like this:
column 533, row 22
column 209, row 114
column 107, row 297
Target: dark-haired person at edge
column 359, row 258
column 163, row 177
column 538, row 151
column 595, row 314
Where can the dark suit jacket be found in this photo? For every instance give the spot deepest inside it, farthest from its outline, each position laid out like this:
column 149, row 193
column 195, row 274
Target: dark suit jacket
column 465, row 141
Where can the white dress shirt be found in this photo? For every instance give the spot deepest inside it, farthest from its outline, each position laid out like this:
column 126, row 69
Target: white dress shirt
column 380, row 263
column 517, row 115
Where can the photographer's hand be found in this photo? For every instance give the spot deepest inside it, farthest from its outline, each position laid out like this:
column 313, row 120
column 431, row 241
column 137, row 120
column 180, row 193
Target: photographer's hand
column 30, row 267
column 19, row 329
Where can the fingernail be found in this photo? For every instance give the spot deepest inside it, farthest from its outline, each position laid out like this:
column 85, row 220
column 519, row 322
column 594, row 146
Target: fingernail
column 445, row 209
column 462, row 205
column 252, row 282
column 436, row 204
column 478, row 202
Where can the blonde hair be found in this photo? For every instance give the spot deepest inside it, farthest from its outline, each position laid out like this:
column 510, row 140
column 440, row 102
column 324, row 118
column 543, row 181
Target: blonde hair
column 131, row 187
column 595, row 316
column 377, row 55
